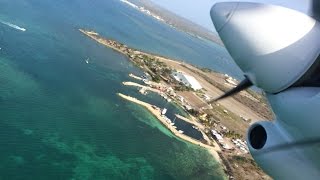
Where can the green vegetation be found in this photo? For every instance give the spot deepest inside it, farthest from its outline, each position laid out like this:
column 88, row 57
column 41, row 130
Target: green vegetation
column 206, row 70
column 158, row 69
column 166, row 72
column 211, row 119
column 194, row 112
column 182, row 87
column 232, row 134
column 242, row 160
column 156, row 78
column 203, row 69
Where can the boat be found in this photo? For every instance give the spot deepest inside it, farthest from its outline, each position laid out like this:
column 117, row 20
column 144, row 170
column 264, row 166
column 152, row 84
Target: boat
column 180, row 131
column 143, row 91
column 87, row 60
column 164, row 111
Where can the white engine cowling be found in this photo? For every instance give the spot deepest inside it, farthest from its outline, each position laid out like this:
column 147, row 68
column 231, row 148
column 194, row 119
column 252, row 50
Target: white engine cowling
column 297, row 111
column 283, row 164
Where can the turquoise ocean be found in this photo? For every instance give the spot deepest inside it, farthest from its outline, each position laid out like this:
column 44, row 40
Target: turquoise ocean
column 61, row 118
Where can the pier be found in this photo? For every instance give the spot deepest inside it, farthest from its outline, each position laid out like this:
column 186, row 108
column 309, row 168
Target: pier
column 135, row 77
column 141, row 86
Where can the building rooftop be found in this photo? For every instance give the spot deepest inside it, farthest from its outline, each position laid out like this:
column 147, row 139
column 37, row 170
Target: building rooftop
column 187, row 80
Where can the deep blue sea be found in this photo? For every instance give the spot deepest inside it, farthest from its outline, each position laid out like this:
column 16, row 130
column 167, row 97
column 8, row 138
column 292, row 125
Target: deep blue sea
column 61, row 118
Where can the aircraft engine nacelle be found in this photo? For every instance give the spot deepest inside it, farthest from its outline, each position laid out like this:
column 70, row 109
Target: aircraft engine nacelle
column 278, row 49
column 292, row 163
column 297, row 113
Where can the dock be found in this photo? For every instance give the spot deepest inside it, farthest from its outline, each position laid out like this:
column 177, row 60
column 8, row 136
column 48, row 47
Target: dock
column 135, row 77
column 141, row 86
column 199, row 125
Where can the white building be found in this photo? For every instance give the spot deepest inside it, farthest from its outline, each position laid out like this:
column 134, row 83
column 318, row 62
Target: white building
column 218, row 137
column 187, row 80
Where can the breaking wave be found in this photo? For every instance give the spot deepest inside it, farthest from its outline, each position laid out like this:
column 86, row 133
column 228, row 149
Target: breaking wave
column 13, row 26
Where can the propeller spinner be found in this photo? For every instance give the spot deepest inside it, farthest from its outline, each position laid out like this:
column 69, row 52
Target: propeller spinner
column 274, row 46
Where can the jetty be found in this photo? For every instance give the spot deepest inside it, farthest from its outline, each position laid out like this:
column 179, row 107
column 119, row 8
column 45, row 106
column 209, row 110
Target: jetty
column 141, row 86
column 135, row 77
column 199, row 125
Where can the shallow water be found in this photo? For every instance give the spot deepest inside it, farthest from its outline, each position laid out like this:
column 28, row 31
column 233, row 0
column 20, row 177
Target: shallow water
column 61, row 118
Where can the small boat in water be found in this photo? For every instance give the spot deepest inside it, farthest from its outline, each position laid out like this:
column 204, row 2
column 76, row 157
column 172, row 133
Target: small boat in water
column 143, row 91
column 87, row 60
column 195, row 127
column 180, row 131
column 164, row 111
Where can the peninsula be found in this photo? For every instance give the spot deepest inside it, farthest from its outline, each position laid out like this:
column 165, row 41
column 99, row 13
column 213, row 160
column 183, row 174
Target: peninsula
column 223, row 125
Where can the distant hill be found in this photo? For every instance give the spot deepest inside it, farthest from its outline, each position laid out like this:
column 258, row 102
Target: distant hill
column 179, row 22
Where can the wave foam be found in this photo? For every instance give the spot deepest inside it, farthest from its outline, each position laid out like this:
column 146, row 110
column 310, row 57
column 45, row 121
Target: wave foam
column 13, row 26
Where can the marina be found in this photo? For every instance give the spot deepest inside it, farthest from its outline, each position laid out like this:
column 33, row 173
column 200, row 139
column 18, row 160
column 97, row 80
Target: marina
column 212, row 149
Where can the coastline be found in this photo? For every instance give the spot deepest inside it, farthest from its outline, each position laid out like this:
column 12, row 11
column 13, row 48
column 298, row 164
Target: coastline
column 230, row 117
column 212, row 150
column 149, row 10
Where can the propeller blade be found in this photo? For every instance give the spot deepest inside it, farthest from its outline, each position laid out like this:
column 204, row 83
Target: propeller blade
column 315, row 7
column 246, row 83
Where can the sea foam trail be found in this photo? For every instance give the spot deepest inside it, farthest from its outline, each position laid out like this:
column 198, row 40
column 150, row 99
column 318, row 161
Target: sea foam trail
column 13, row 26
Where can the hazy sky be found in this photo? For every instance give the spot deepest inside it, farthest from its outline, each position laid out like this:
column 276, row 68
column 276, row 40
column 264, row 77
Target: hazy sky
column 198, row 10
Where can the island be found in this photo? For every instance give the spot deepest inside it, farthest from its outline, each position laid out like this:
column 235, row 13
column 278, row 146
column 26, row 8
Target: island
column 222, row 124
